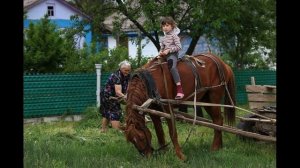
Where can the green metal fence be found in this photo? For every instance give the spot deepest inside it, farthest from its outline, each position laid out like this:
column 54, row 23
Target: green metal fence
column 104, row 77
column 58, row 94
column 243, row 77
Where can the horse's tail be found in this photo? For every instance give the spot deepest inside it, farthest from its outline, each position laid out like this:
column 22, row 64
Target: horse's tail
column 230, row 99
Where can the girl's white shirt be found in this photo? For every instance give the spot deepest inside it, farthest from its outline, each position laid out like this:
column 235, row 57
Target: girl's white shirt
column 176, row 31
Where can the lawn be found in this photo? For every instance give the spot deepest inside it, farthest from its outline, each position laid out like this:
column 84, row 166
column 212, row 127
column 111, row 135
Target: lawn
column 80, row 144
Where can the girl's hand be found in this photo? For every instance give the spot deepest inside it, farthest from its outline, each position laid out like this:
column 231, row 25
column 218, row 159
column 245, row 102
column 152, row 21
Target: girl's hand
column 166, row 52
column 163, row 53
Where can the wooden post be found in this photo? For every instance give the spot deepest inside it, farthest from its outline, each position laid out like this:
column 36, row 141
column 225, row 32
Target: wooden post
column 98, row 72
column 252, row 80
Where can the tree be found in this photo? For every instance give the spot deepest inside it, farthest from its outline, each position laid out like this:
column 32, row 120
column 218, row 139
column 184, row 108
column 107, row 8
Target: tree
column 44, row 49
column 115, row 56
column 192, row 17
column 184, row 12
column 240, row 27
column 249, row 27
column 97, row 10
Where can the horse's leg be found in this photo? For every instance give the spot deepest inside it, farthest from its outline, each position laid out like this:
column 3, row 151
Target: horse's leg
column 174, row 138
column 216, row 116
column 158, row 129
column 215, row 113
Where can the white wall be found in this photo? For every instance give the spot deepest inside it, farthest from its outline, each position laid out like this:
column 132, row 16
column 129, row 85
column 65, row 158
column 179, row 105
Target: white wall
column 60, row 11
column 112, row 42
column 79, row 41
column 149, row 49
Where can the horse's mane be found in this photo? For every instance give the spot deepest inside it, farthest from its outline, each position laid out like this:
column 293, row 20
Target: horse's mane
column 148, row 80
column 140, row 88
column 135, row 96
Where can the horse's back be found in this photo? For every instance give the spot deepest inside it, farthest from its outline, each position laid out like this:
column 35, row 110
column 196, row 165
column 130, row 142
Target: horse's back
column 208, row 66
column 204, row 68
column 202, row 64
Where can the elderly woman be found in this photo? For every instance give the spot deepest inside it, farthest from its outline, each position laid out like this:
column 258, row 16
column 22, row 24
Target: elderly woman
column 115, row 86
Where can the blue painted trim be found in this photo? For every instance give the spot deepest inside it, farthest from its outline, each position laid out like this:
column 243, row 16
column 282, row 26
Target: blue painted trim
column 88, row 38
column 129, row 34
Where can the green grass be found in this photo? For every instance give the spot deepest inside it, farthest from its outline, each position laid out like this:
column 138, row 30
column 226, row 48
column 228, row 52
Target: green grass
column 80, row 144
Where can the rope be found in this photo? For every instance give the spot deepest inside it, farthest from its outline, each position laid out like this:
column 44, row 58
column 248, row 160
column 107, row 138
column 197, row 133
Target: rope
column 195, row 115
column 169, row 104
column 222, row 76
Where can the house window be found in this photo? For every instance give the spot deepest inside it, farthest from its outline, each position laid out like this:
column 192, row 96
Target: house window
column 123, row 41
column 50, row 11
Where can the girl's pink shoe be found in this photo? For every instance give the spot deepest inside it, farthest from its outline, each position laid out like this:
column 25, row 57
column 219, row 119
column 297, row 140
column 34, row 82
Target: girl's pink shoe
column 180, row 94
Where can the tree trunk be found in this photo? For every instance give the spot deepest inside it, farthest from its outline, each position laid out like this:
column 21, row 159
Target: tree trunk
column 193, row 44
column 139, row 49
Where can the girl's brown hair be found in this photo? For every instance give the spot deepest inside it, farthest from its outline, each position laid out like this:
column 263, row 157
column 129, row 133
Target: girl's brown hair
column 168, row 20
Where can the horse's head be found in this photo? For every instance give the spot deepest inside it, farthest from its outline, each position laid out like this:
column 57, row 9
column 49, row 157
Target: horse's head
column 140, row 136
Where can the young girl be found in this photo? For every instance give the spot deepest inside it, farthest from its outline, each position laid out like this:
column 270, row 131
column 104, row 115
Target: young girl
column 169, row 47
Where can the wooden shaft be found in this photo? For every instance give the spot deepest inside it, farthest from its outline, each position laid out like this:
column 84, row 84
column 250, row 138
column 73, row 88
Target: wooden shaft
column 210, row 125
column 213, row 104
column 255, row 119
column 192, row 117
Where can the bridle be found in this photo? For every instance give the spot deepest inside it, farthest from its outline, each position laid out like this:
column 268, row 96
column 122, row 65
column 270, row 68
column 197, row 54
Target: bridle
column 142, row 151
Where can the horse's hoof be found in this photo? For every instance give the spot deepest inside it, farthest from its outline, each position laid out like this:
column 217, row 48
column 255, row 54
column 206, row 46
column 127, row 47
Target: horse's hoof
column 215, row 149
column 183, row 157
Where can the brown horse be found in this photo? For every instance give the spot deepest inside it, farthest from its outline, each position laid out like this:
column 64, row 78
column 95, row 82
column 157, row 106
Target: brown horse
column 217, row 82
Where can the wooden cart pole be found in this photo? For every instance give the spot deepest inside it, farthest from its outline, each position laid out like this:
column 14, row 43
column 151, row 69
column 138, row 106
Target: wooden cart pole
column 216, row 105
column 210, row 125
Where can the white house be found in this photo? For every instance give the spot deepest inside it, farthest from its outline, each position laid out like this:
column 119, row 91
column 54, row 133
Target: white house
column 59, row 11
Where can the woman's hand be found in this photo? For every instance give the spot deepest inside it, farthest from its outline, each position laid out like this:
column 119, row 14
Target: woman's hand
column 118, row 91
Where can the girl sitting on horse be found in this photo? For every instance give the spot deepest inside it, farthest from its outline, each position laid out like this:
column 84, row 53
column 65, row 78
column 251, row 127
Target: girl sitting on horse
column 169, row 48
